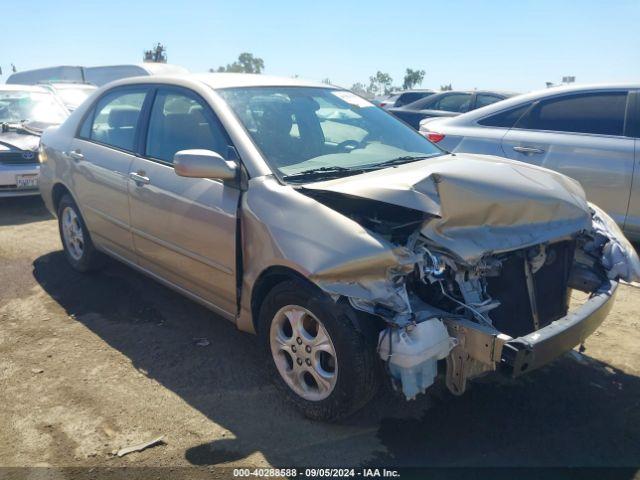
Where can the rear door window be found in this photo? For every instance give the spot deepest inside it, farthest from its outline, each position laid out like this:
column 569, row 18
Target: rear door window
column 596, row 113
column 482, row 100
column 455, row 102
column 115, row 119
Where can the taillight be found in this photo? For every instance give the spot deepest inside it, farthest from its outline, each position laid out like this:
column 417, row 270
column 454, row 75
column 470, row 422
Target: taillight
column 434, row 137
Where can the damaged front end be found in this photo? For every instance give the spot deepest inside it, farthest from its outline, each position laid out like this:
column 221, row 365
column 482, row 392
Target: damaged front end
column 483, row 269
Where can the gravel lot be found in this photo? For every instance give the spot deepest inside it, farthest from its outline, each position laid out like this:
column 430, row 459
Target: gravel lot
column 93, row 363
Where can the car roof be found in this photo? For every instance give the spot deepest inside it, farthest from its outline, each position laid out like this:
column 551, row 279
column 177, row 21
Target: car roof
column 497, row 92
column 63, row 85
column 150, row 67
column 73, row 85
column 225, row 80
column 22, row 88
column 516, row 100
column 228, row 80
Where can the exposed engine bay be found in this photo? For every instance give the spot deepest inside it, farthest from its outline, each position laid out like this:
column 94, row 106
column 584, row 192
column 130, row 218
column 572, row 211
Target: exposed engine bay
column 473, row 312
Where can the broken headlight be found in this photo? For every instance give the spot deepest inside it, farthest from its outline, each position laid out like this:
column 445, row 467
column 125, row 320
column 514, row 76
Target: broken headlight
column 619, row 257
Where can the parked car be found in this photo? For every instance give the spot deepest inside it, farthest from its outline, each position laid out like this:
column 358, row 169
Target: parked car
column 25, row 111
column 98, row 75
column 71, row 94
column 346, row 241
column 446, row 104
column 590, row 133
column 400, row 99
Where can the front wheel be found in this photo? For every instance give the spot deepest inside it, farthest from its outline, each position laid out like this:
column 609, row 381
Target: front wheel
column 324, row 365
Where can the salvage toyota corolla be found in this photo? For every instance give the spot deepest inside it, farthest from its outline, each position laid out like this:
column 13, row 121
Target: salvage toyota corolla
column 356, row 249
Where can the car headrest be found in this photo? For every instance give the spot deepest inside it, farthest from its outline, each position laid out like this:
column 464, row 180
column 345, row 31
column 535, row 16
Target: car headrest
column 123, row 117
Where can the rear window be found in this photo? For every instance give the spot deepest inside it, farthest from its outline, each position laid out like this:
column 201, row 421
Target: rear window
column 455, row 102
column 597, row 113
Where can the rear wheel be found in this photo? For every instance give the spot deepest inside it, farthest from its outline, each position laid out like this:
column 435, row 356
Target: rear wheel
column 77, row 244
column 324, row 365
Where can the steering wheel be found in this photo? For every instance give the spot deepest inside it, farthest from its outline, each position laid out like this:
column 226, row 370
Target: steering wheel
column 349, row 145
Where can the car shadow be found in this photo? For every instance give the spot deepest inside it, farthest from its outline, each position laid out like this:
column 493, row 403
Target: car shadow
column 22, row 210
column 573, row 413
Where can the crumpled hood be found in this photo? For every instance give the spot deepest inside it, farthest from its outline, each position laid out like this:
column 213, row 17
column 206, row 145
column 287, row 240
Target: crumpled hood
column 478, row 203
column 18, row 141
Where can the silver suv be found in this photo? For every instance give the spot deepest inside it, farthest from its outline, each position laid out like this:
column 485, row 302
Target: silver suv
column 590, row 133
column 357, row 250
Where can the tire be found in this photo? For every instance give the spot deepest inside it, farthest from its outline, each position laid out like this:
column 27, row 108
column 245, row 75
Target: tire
column 76, row 241
column 353, row 374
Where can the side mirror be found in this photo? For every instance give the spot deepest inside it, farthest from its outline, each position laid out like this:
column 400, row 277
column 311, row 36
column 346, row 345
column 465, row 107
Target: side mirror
column 203, row 164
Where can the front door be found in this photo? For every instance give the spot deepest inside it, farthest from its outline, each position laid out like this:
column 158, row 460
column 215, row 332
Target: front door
column 184, row 229
column 583, row 136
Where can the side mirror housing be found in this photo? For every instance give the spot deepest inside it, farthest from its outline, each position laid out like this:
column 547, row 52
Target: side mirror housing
column 203, row 164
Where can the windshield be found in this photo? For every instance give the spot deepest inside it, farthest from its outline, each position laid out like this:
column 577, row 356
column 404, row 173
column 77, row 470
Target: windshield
column 72, row 97
column 304, row 129
column 22, row 105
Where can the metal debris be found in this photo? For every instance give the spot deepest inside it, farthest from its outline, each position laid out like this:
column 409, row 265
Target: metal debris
column 37, row 370
column 202, row 342
column 141, row 446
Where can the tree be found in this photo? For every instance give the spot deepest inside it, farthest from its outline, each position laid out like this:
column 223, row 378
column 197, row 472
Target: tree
column 246, row 63
column 359, row 89
column 446, row 88
column 380, row 84
column 157, row 54
column 412, row 78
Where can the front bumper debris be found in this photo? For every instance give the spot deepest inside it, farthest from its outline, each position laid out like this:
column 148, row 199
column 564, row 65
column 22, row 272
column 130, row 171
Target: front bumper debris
column 538, row 348
column 481, row 349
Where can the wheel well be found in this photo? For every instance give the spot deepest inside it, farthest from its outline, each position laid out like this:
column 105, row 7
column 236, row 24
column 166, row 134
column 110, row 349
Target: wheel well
column 267, row 280
column 59, row 190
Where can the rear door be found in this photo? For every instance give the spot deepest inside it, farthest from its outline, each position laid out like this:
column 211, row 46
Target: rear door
column 632, row 223
column 184, row 229
column 582, row 135
column 101, row 154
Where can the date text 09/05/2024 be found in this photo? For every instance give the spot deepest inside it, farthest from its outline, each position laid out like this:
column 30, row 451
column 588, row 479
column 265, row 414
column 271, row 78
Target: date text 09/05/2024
column 316, row 472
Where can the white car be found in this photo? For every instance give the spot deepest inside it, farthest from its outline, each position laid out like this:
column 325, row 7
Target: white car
column 25, row 111
column 71, row 94
column 590, row 133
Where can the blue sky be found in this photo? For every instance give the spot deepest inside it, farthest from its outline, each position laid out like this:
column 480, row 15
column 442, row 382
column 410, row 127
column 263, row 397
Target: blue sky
column 515, row 45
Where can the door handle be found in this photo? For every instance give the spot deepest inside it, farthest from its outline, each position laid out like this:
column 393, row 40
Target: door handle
column 528, row 150
column 139, row 178
column 76, row 155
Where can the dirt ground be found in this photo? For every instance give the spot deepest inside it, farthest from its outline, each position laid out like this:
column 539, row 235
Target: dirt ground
column 93, row 363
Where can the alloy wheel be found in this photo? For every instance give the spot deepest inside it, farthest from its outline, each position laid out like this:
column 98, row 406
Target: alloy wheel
column 72, row 233
column 303, row 352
